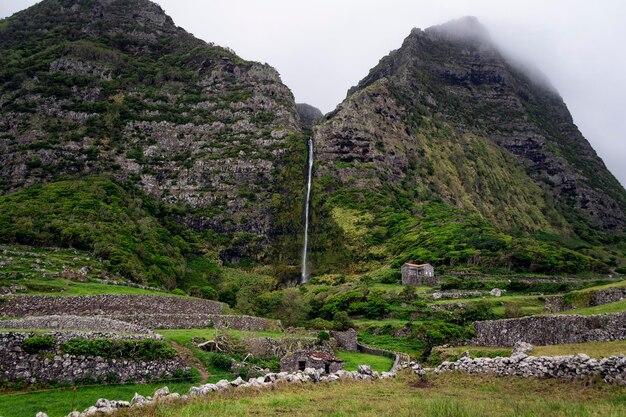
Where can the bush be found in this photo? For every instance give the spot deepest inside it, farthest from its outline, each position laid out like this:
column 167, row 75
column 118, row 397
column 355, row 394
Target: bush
column 323, row 336
column 341, row 321
column 209, row 293
column 37, row 344
column 391, row 276
column 178, row 291
column 475, row 312
column 146, row 349
column 220, row 361
column 320, row 324
column 512, row 311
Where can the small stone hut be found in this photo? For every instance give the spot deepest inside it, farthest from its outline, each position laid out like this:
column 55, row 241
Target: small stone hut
column 418, row 274
column 302, row 359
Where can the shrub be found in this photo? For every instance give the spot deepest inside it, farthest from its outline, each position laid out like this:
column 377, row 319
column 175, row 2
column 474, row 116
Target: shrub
column 341, row 321
column 220, row 361
column 320, row 324
column 323, row 336
column 146, row 349
column 512, row 311
column 178, row 291
column 474, row 312
column 208, row 292
column 37, row 344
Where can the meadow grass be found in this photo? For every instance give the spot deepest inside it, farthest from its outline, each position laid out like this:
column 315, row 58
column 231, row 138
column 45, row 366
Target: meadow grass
column 353, row 359
column 593, row 349
column 58, row 403
column 446, row 395
column 616, row 307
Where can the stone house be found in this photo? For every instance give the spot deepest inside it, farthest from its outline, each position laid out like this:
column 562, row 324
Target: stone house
column 418, row 274
column 302, row 359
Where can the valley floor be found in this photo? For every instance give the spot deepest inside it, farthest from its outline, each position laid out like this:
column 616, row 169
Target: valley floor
column 450, row 395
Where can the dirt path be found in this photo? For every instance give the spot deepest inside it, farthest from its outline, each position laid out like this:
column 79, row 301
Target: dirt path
column 190, row 359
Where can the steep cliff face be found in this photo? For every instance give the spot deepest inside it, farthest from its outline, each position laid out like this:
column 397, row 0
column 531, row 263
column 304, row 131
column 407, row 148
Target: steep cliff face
column 452, row 73
column 114, row 87
column 446, row 119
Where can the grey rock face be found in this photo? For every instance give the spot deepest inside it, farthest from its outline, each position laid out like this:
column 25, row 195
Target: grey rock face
column 453, row 72
column 308, row 114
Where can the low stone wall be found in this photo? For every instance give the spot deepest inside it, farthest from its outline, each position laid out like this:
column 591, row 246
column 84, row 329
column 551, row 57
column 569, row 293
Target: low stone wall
column 199, row 321
column 18, row 365
column 374, row 351
column 550, row 330
column 594, row 298
column 611, row 369
column 93, row 305
column 73, row 323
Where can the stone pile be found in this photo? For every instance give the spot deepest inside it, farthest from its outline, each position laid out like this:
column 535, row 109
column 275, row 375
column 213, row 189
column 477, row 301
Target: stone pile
column 612, row 369
column 163, row 395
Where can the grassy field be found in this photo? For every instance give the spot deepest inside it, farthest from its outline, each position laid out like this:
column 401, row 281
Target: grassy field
column 64, row 287
column 593, row 349
column 449, row 395
column 58, row 403
column 354, row 359
column 184, row 336
column 616, row 307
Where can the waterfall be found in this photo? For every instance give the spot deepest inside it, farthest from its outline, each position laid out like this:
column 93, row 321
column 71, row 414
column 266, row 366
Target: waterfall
column 305, row 273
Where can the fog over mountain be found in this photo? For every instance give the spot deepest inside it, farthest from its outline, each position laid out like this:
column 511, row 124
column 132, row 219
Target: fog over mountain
column 323, row 48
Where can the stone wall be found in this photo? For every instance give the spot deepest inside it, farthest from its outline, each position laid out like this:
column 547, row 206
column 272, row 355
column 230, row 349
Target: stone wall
column 374, row 351
column 550, row 330
column 199, row 321
column 346, row 340
column 611, row 369
column 106, row 305
column 73, row 323
column 17, row 365
column 589, row 299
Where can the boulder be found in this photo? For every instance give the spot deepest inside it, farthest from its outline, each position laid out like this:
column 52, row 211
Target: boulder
column 364, row 369
column 521, row 348
column 161, row 392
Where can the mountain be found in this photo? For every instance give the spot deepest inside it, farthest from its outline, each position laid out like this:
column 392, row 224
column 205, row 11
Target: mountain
column 445, row 128
column 123, row 135
column 115, row 88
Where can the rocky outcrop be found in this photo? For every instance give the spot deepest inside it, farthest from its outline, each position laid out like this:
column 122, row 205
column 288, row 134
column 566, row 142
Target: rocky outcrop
column 308, row 114
column 131, row 95
column 453, row 73
column 550, row 330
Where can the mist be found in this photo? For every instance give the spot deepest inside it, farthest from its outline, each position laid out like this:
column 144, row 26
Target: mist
column 324, row 47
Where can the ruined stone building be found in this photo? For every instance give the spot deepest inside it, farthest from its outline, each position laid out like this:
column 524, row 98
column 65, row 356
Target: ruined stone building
column 302, row 359
column 418, row 274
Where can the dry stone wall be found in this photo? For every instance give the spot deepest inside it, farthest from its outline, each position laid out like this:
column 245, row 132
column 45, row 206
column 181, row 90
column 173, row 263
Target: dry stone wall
column 91, row 305
column 611, row 369
column 69, row 322
column 195, row 320
column 550, row 330
column 18, row 365
column 592, row 298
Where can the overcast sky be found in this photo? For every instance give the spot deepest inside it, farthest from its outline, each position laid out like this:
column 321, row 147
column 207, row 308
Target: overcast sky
column 323, row 47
